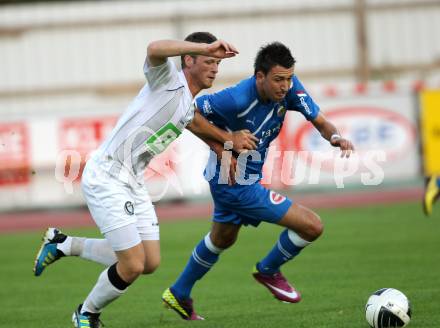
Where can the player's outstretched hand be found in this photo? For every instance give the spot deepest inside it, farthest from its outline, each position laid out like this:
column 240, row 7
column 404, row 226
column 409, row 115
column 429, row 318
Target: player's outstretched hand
column 220, row 49
column 243, row 140
column 344, row 144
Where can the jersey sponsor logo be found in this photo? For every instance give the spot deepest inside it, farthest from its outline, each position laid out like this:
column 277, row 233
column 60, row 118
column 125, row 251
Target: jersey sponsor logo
column 301, row 95
column 129, row 208
column 303, row 103
column 159, row 141
column 207, row 107
column 276, row 198
column 271, row 132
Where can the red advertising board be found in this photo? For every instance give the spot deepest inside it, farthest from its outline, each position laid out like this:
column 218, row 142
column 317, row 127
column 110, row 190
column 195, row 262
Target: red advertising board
column 83, row 135
column 368, row 127
column 14, row 154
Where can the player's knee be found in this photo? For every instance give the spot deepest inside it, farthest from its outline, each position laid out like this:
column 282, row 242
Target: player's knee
column 227, row 242
column 151, row 265
column 133, row 269
column 316, row 227
column 224, row 240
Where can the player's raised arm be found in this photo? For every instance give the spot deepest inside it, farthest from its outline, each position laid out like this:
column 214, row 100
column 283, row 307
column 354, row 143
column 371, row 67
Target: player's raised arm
column 329, row 132
column 159, row 51
column 241, row 140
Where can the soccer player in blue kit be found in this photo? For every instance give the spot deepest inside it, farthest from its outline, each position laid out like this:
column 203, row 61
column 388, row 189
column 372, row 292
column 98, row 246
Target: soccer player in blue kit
column 258, row 104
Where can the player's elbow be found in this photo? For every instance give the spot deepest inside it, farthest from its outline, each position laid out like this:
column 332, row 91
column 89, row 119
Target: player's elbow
column 153, row 49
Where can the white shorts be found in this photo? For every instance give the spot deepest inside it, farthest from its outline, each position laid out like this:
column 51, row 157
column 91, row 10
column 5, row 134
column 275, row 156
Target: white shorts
column 123, row 238
column 114, row 204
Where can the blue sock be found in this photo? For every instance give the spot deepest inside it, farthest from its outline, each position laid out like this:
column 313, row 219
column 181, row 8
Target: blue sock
column 283, row 251
column 201, row 260
column 438, row 182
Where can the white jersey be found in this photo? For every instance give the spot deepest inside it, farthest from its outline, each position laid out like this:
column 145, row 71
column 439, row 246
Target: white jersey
column 155, row 118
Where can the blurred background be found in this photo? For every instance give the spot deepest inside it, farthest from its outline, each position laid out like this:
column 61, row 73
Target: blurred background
column 68, row 69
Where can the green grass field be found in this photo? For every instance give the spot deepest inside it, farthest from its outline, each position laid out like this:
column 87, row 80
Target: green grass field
column 362, row 250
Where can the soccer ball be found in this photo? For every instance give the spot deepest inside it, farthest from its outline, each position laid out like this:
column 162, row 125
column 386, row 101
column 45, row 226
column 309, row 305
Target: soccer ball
column 388, row 307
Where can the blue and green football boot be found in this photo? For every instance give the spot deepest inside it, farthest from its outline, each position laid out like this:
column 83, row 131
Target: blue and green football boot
column 48, row 252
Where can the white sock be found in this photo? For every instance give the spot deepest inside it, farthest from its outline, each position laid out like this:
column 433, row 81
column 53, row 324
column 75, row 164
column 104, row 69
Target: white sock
column 98, row 250
column 101, row 295
column 92, row 249
column 211, row 246
column 297, row 240
column 66, row 246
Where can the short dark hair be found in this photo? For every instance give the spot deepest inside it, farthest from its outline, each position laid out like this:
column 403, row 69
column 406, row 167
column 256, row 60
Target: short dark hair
column 273, row 54
column 198, row 37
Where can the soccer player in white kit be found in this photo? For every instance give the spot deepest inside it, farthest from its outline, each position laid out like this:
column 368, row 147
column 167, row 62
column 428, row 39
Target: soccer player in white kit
column 112, row 180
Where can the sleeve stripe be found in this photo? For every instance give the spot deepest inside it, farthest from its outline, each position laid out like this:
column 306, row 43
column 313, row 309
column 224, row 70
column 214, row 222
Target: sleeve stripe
column 252, row 105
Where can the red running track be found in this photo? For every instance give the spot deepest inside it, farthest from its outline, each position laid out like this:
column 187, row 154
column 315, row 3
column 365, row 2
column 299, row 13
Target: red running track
column 38, row 220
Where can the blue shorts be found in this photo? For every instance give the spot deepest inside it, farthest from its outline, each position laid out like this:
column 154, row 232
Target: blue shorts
column 247, row 204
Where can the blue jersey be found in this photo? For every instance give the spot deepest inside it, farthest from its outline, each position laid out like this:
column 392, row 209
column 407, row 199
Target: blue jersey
column 240, row 107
